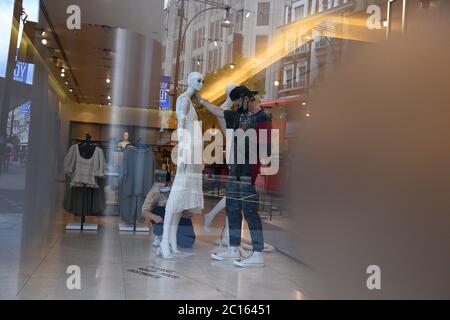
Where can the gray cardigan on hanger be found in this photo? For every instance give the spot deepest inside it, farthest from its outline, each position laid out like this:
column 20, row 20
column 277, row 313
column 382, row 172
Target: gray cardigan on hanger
column 136, row 176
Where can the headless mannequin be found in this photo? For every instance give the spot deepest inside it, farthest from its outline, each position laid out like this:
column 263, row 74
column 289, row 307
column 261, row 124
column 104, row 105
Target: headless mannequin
column 123, row 144
column 86, row 148
column 140, row 145
column 172, row 218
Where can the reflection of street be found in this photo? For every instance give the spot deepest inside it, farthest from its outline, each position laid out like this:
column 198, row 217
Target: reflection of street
column 12, row 186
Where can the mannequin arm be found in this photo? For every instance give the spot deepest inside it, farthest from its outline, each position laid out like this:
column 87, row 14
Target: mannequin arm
column 182, row 111
column 215, row 110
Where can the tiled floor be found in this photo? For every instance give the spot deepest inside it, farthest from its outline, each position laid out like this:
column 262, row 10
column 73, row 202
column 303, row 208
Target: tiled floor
column 105, row 258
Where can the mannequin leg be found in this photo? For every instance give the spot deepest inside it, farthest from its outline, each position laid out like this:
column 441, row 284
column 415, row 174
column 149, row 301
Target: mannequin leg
column 224, row 240
column 226, row 234
column 209, row 217
column 164, row 249
column 173, row 233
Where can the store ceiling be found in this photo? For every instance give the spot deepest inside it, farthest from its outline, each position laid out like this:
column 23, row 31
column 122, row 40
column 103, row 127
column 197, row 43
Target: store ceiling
column 90, row 51
column 141, row 16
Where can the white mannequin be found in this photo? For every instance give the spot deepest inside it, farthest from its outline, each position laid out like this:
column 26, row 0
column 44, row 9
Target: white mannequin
column 123, row 144
column 187, row 193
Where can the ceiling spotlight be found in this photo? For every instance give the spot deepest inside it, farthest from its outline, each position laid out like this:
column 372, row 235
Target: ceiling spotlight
column 67, row 82
column 276, row 83
column 63, row 70
column 44, row 42
column 108, row 80
column 109, row 97
column 308, row 115
column 44, row 33
column 215, row 43
column 232, row 66
column 198, row 62
column 70, row 90
column 248, row 15
column 304, row 103
column 63, row 75
column 109, row 104
column 227, row 22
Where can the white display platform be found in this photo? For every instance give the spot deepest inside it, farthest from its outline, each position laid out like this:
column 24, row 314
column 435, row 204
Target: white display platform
column 86, row 226
column 130, row 228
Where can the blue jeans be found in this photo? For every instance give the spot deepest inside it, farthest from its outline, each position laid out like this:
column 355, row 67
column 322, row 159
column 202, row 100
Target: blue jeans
column 185, row 232
column 242, row 197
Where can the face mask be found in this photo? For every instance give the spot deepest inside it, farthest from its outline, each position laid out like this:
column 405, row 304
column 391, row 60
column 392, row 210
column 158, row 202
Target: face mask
column 165, row 189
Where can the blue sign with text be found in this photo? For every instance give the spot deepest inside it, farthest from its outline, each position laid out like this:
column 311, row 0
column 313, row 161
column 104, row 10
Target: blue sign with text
column 25, row 108
column 23, row 72
column 164, row 98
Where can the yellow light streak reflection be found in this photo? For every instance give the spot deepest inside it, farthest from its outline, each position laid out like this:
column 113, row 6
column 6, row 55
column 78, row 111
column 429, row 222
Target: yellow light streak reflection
column 345, row 27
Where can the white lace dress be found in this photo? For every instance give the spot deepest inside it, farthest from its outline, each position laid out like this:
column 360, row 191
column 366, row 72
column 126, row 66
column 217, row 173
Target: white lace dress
column 187, row 188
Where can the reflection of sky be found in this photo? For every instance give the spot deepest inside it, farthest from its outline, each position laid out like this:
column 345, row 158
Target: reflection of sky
column 6, row 11
column 31, row 7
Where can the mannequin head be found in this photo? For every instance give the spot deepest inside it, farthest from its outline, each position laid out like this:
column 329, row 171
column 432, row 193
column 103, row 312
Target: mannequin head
column 126, row 136
column 195, row 81
column 228, row 104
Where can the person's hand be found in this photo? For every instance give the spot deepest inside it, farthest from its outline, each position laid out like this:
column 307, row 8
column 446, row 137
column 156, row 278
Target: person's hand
column 200, row 99
column 147, row 215
column 157, row 219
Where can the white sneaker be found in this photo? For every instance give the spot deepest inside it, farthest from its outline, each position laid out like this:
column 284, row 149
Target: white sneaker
column 232, row 253
column 253, row 260
column 157, row 241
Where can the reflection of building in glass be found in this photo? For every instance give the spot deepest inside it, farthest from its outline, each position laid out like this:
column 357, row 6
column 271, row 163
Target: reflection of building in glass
column 19, row 122
column 209, row 46
column 6, row 13
column 311, row 52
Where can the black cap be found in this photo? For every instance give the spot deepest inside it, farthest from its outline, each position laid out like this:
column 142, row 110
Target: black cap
column 162, row 176
column 241, row 92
